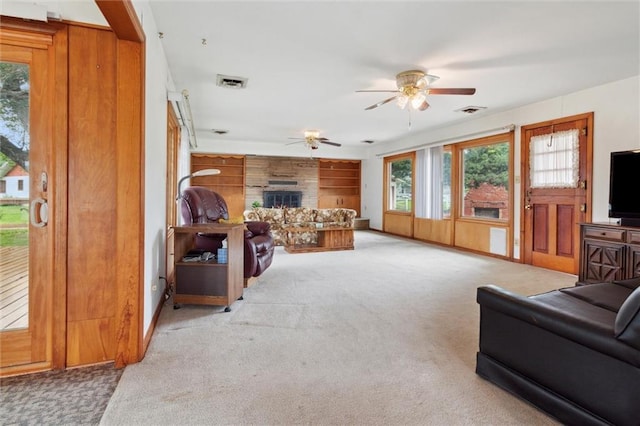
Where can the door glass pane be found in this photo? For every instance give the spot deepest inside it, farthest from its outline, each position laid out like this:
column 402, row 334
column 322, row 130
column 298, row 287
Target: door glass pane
column 400, row 185
column 14, row 196
column 554, row 160
column 485, row 177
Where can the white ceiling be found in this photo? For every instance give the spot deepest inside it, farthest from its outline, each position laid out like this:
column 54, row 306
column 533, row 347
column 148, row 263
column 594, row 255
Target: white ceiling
column 304, row 60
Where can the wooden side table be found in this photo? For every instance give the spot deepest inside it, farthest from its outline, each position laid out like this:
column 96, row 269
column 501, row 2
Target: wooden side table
column 208, row 282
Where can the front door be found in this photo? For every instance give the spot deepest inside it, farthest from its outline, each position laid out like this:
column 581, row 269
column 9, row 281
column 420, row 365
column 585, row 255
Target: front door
column 556, row 175
column 26, row 230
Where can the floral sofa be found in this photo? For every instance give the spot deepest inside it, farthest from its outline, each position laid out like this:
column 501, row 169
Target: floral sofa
column 283, row 219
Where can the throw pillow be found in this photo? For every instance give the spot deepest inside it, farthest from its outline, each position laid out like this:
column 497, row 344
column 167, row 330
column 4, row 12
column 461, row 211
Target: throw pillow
column 627, row 325
column 234, row 220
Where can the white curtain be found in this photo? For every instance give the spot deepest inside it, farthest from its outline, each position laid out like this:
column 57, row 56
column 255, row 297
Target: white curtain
column 428, row 187
column 435, row 182
column 554, row 160
column 420, row 208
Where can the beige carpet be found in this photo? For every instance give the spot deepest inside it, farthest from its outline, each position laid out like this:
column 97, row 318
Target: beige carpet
column 385, row 334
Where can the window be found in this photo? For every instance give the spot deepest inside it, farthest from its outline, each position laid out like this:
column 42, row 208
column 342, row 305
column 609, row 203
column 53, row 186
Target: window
column 554, row 160
column 20, row 185
column 3, row 187
column 485, row 181
column 399, row 185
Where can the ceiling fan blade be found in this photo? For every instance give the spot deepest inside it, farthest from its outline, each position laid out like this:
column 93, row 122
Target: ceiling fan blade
column 378, row 91
column 330, row 143
column 293, row 143
column 455, row 91
column 424, row 105
column 380, row 103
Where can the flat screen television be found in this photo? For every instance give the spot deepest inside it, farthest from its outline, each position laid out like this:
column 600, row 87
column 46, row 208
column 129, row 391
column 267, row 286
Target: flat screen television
column 624, row 187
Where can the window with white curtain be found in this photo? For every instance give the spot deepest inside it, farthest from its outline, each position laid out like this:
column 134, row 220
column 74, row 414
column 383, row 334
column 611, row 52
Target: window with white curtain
column 554, row 160
column 429, row 183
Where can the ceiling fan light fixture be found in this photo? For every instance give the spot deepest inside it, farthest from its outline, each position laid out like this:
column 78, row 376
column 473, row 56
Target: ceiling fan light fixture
column 311, row 134
column 417, row 100
column 402, row 101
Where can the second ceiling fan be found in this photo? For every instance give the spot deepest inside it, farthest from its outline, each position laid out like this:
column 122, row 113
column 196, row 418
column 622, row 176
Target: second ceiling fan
column 413, row 88
column 312, row 139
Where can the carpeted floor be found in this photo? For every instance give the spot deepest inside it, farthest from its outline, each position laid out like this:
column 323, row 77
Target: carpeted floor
column 385, row 334
column 71, row 397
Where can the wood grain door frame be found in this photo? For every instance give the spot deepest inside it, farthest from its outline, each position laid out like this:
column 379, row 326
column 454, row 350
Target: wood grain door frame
column 49, row 128
column 586, row 176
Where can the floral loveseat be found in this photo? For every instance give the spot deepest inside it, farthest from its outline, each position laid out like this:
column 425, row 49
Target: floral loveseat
column 283, row 219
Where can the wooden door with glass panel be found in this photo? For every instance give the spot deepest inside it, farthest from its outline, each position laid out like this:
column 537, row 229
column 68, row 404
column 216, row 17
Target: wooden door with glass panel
column 26, row 233
column 556, row 158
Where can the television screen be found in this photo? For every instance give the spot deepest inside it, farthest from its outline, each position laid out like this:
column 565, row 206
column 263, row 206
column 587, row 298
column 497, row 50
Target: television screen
column 624, row 185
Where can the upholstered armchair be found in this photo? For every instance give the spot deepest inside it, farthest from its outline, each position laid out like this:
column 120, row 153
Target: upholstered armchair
column 201, row 205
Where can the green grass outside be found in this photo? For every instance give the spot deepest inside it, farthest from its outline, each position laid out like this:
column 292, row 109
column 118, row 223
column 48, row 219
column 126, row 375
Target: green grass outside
column 14, row 237
column 403, row 205
column 14, row 215
column 18, row 216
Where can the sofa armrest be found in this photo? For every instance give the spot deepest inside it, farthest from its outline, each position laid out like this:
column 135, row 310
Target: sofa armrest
column 581, row 330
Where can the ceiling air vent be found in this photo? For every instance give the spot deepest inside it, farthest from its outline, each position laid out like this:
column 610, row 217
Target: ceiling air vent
column 471, row 109
column 231, row 82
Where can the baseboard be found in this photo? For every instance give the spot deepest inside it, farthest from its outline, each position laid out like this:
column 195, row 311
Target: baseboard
column 152, row 327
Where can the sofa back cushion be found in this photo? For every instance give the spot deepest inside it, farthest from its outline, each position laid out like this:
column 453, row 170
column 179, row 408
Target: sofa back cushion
column 299, row 215
column 265, row 214
column 337, row 216
column 627, row 325
column 201, row 205
column 604, row 295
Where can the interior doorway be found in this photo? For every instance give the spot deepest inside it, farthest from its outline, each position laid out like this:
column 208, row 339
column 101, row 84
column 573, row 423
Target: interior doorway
column 556, row 187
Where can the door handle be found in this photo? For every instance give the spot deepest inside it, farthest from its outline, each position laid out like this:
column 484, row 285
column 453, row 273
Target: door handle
column 527, row 206
column 39, row 212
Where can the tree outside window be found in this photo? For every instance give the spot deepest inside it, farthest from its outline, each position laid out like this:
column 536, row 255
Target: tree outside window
column 486, row 181
column 400, row 185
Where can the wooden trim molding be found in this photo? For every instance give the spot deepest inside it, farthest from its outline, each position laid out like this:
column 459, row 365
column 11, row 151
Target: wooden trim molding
column 122, row 18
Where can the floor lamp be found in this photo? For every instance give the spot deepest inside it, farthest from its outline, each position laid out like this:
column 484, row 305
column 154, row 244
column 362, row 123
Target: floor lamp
column 203, row 172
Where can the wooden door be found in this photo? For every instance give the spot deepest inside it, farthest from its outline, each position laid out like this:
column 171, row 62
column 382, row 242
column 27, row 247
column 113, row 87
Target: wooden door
column 27, row 267
column 556, row 190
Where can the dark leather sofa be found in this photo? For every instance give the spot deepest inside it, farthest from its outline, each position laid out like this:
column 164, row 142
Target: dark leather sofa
column 201, row 205
column 573, row 353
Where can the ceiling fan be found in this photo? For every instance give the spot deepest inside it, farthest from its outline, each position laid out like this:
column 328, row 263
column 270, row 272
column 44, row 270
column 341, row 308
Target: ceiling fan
column 313, row 140
column 413, row 88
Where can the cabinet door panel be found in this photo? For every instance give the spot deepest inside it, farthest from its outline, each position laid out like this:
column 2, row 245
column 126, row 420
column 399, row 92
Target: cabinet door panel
column 603, row 262
column 633, row 261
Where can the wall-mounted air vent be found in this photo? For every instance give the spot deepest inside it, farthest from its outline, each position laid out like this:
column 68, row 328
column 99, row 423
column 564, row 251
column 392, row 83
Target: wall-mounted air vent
column 471, row 109
column 369, row 141
column 220, row 131
column 231, row 82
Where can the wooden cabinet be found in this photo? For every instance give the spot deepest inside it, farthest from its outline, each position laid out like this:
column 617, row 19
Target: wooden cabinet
column 339, row 184
column 209, row 282
column 230, row 183
column 608, row 252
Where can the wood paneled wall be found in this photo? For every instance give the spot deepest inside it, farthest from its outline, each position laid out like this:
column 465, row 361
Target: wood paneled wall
column 104, row 198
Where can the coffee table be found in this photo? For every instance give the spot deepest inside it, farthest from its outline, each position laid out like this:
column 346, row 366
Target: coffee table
column 329, row 239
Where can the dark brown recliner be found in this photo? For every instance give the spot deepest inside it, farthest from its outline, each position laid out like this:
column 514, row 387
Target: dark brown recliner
column 201, row 205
